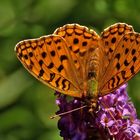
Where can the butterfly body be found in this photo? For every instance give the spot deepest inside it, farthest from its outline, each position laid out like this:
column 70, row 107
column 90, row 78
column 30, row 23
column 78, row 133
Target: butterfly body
column 76, row 61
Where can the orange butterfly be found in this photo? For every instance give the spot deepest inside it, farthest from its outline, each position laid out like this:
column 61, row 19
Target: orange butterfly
column 76, row 61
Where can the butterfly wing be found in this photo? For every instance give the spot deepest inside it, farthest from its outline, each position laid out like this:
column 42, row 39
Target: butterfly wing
column 60, row 60
column 108, row 43
column 82, row 42
column 123, row 63
column 48, row 59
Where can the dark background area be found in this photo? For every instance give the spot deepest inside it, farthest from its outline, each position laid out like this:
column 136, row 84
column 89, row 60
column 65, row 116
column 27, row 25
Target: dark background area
column 25, row 103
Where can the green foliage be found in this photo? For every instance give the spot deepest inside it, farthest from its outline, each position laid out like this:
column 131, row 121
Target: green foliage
column 25, row 103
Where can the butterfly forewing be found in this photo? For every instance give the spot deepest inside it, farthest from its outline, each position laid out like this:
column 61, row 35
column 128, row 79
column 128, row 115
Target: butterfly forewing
column 81, row 41
column 49, row 60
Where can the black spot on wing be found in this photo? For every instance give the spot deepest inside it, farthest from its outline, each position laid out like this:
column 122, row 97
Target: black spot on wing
column 63, row 57
column 118, row 80
column 132, row 70
column 30, row 54
column 113, row 40
column 49, row 43
column 52, row 75
column 59, row 48
column 84, row 43
column 41, row 73
column 118, row 56
column 26, row 56
column 110, row 50
column 44, row 54
column 126, row 63
column 70, row 47
column 51, row 65
column 66, row 84
column 134, row 59
column 57, row 41
column 76, row 51
column 75, row 41
column 126, row 50
column 123, row 75
column 57, row 82
column 133, row 51
column 40, row 62
column 60, row 68
column 118, row 66
column 40, row 46
column 52, row 53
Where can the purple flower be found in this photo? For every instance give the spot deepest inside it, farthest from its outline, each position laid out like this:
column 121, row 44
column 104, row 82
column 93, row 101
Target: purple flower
column 115, row 118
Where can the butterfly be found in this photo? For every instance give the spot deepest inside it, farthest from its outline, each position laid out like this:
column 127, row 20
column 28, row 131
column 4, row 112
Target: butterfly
column 76, row 61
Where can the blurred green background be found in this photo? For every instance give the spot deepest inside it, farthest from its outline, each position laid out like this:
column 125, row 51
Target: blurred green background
column 25, row 103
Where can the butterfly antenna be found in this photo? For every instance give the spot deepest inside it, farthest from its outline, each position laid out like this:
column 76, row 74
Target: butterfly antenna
column 67, row 112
